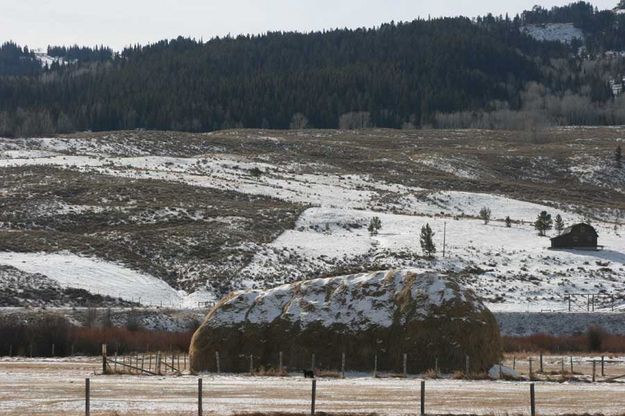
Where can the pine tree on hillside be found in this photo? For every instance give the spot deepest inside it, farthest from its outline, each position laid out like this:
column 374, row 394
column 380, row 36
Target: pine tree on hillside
column 427, row 241
column 485, row 214
column 543, row 223
column 374, row 225
column 508, row 222
column 559, row 224
column 618, row 156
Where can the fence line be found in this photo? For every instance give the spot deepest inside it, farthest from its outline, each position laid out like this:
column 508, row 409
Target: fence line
column 548, row 366
column 313, row 397
column 124, row 365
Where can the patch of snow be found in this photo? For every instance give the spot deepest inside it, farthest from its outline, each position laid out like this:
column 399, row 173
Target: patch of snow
column 554, row 32
column 96, row 276
column 518, row 271
column 498, row 371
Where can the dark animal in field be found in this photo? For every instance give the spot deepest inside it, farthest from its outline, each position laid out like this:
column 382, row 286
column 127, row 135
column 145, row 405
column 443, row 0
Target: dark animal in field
column 309, row 374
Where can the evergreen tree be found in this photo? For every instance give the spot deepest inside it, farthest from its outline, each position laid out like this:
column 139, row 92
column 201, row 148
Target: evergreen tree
column 508, row 222
column 485, row 214
column 375, row 225
column 446, row 72
column 427, row 241
column 618, row 156
column 559, row 224
column 543, row 223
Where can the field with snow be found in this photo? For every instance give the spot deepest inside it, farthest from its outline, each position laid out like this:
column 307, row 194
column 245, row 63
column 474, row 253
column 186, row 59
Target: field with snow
column 56, row 387
column 177, row 219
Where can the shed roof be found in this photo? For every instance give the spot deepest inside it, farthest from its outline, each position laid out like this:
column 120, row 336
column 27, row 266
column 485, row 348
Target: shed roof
column 581, row 227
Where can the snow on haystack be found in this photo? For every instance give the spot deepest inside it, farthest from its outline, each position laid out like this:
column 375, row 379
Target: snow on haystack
column 428, row 315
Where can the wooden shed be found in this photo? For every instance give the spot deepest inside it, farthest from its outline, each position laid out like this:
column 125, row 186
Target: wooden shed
column 582, row 236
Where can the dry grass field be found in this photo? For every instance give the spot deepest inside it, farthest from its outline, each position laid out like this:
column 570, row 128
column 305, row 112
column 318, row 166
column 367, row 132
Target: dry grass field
column 56, row 387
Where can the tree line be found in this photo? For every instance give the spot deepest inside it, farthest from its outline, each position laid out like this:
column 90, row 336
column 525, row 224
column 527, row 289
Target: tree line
column 397, row 75
column 448, row 72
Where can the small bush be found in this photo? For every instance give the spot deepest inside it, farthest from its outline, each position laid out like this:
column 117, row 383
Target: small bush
column 485, row 214
column 595, row 336
column 431, row 374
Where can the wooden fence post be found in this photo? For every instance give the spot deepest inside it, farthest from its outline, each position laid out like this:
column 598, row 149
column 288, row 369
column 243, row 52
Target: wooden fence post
column 199, row 397
column 594, row 369
column 530, row 360
column 422, row 398
column 572, row 364
column 436, row 366
column 405, row 365
column 562, row 362
column 87, row 397
column 217, row 361
column 467, row 366
column 343, row 365
column 280, row 363
column 375, row 365
column 103, row 358
column 314, row 396
column 602, row 366
column 72, row 350
column 52, row 350
column 541, row 362
column 532, row 400
column 514, row 362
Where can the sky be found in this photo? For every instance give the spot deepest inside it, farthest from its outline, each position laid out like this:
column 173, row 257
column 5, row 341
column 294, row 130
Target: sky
column 119, row 23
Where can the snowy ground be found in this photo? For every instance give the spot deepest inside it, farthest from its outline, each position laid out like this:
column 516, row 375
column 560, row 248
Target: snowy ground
column 511, row 268
column 98, row 277
column 518, row 272
column 554, row 32
column 56, row 387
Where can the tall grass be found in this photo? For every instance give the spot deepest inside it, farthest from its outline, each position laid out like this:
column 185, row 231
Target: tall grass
column 594, row 340
column 123, row 340
column 55, row 334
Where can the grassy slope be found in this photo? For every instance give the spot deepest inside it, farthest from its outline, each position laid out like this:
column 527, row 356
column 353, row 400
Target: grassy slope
column 189, row 234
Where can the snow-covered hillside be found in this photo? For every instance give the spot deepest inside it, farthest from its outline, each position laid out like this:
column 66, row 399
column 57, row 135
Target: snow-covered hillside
column 97, row 277
column 512, row 268
column 336, row 195
column 47, row 60
column 554, row 32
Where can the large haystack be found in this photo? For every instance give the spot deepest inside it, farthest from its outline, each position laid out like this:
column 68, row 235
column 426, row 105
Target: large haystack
column 427, row 315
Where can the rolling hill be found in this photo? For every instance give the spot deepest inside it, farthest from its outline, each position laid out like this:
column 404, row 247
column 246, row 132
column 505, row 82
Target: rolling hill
column 190, row 217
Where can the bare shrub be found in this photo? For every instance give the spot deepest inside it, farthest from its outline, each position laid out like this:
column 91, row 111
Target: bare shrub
column 595, row 337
